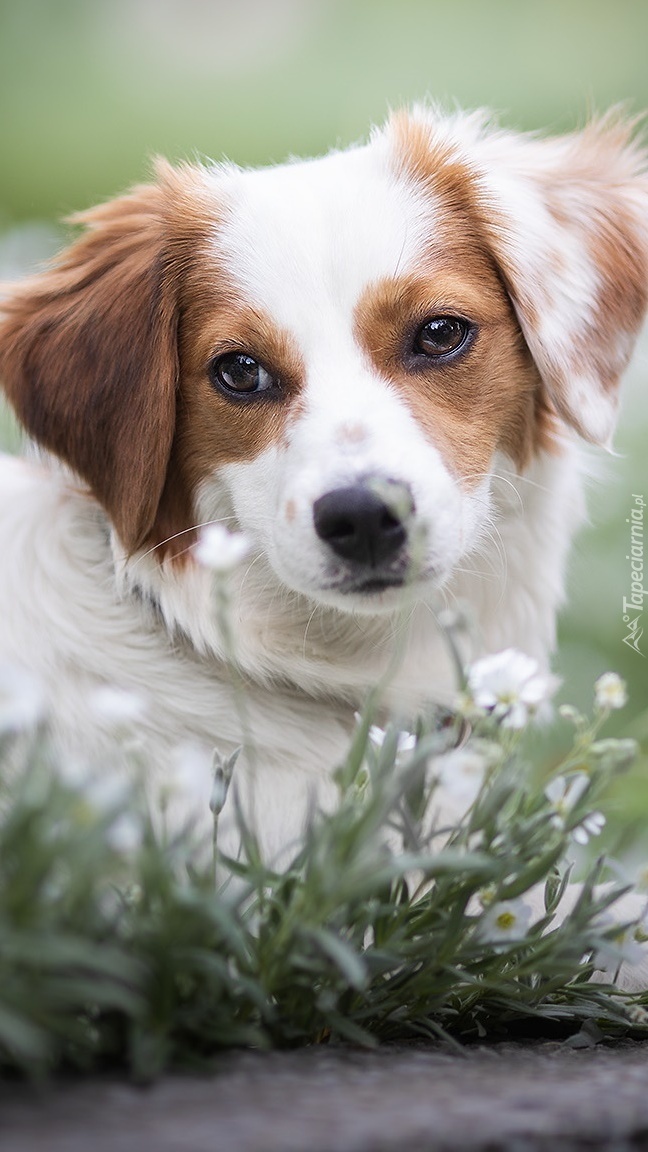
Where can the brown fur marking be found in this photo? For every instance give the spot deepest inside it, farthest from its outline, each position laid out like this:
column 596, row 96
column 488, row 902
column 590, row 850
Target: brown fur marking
column 481, row 401
column 589, row 185
column 105, row 355
column 88, row 359
column 489, row 397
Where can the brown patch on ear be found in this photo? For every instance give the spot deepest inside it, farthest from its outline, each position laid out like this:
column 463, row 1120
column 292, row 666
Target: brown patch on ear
column 88, row 358
column 546, row 426
column 566, row 221
column 173, row 532
column 105, row 358
column 597, row 194
column 510, row 410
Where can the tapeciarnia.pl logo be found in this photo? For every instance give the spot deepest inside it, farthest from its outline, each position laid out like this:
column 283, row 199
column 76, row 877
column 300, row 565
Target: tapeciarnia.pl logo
column 633, row 605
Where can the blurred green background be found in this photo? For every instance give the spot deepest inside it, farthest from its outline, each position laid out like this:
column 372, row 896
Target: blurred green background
column 90, row 89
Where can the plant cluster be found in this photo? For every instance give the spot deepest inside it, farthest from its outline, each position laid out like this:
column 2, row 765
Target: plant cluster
column 117, row 945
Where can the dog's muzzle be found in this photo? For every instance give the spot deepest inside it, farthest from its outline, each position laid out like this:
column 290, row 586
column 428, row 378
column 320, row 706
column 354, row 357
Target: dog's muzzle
column 366, row 524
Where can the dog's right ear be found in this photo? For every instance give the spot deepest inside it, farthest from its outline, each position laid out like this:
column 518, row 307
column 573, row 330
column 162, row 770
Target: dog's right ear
column 565, row 221
column 89, row 361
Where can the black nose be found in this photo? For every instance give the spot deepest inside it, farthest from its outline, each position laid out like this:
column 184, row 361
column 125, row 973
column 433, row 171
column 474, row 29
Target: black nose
column 362, row 525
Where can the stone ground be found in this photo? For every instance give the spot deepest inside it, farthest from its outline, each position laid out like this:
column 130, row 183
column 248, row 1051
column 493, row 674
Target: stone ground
column 510, row 1097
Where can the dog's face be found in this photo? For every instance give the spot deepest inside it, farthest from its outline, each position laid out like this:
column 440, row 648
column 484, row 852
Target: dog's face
column 336, row 351
column 362, row 368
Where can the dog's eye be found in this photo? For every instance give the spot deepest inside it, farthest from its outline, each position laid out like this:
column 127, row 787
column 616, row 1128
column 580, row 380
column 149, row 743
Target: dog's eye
column 442, row 335
column 239, row 373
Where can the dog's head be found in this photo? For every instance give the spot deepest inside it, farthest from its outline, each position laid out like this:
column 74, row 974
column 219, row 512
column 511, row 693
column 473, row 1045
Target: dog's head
column 333, row 352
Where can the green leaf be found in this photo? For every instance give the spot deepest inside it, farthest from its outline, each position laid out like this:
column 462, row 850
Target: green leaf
column 21, row 1040
column 346, row 959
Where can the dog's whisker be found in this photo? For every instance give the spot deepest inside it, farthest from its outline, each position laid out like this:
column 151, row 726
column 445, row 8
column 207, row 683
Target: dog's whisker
column 495, row 476
column 401, row 254
column 308, row 624
column 176, row 535
column 476, row 572
column 505, row 480
column 256, row 560
column 521, row 478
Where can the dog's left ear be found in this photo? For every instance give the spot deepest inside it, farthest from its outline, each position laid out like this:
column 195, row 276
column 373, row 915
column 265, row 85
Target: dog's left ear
column 567, row 222
column 89, row 361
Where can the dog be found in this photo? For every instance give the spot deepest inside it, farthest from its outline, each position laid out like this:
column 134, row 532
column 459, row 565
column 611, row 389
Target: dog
column 380, row 366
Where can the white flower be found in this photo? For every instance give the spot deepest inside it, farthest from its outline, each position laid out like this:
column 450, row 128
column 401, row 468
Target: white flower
column 507, row 920
column 564, row 795
column 507, row 685
column 22, row 701
column 221, row 550
column 116, row 706
column 622, row 946
column 124, row 835
column 461, row 773
column 640, row 931
column 568, row 712
column 610, row 691
column 592, row 825
column 406, row 741
column 223, row 770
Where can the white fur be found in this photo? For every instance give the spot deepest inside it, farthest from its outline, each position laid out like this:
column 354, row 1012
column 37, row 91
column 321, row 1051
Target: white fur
column 71, row 625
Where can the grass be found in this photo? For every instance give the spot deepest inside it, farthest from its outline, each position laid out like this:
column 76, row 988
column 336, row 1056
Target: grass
column 117, row 946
